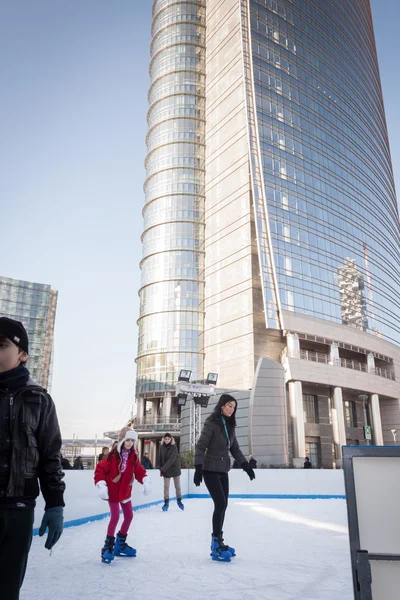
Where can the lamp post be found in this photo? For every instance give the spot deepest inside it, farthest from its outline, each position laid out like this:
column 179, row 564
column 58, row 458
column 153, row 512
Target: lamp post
column 394, row 432
column 364, row 398
column 198, row 395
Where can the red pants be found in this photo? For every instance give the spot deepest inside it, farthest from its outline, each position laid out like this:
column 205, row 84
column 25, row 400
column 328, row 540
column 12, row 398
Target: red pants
column 128, row 516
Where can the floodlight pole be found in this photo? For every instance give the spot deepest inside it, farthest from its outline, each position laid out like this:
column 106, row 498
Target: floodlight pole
column 201, row 393
column 194, row 422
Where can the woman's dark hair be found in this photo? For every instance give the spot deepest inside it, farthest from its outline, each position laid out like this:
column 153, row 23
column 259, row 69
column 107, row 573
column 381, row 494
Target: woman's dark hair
column 224, row 399
column 113, row 450
column 110, row 454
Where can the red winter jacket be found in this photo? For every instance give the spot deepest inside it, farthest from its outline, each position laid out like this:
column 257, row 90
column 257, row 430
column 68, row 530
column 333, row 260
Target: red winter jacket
column 119, row 484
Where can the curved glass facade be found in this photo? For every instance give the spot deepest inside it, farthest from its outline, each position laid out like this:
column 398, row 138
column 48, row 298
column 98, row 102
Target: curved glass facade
column 172, row 288
column 329, row 190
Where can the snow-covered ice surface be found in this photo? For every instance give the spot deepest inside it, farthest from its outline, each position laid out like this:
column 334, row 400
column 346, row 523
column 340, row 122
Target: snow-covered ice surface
column 286, row 550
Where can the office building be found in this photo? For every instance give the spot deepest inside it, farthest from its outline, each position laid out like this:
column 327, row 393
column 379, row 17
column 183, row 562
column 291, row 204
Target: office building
column 267, row 117
column 34, row 304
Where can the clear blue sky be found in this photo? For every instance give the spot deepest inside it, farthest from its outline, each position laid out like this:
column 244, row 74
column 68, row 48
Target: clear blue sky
column 73, row 104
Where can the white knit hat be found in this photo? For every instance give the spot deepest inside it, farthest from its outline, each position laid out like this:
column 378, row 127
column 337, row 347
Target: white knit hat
column 126, row 434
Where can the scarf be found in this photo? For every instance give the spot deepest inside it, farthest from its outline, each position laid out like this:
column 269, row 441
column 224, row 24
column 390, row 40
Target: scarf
column 226, row 431
column 14, row 379
column 124, row 459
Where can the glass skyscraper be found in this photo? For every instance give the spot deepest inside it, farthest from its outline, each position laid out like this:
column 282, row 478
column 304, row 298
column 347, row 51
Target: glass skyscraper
column 34, row 304
column 270, row 182
column 325, row 157
column 171, row 315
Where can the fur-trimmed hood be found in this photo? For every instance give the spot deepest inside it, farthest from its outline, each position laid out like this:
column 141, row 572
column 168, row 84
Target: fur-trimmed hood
column 126, row 433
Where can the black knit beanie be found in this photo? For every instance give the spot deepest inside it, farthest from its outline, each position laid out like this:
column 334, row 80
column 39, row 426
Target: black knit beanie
column 15, row 332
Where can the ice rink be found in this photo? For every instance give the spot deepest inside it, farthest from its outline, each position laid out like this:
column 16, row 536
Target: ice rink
column 286, row 550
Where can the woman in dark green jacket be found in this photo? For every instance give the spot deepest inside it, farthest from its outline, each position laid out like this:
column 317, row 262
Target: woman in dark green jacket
column 170, row 468
column 212, row 461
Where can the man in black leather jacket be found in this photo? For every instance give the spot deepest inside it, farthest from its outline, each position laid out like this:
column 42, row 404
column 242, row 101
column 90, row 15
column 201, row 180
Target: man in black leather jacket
column 30, row 444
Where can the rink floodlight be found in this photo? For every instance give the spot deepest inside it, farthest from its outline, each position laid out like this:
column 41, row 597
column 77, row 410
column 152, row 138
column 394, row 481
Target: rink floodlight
column 184, row 375
column 212, row 378
column 182, row 399
column 202, row 400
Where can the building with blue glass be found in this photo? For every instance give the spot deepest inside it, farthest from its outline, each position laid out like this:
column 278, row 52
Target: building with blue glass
column 34, row 304
column 271, row 191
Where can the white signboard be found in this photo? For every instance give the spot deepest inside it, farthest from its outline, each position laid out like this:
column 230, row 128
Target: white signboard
column 372, row 478
column 194, row 388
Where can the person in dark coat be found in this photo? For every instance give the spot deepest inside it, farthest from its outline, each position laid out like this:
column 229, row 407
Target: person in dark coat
column 212, row 461
column 170, row 468
column 30, row 454
column 78, row 464
column 146, row 462
column 65, row 464
column 307, row 463
column 252, row 462
column 235, row 465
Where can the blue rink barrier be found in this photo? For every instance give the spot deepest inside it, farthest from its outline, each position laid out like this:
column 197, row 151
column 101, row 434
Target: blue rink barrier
column 278, row 496
column 84, row 520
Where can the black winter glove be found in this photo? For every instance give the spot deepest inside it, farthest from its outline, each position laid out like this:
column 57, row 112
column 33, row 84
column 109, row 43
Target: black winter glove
column 247, row 468
column 198, row 475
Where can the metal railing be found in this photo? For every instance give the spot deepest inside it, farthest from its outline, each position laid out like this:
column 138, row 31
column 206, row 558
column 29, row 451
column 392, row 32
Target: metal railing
column 356, row 365
column 383, row 373
column 158, row 424
column 314, row 356
column 347, row 363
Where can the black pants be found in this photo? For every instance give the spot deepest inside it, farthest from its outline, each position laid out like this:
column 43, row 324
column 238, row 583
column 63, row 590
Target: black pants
column 218, row 486
column 15, row 542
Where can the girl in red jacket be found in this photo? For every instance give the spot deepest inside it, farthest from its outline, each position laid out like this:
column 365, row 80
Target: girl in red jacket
column 114, row 476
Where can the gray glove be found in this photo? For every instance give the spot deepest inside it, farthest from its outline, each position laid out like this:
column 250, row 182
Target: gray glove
column 53, row 519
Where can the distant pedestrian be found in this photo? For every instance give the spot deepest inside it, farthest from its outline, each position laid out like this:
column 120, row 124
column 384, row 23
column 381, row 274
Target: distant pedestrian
column 114, row 477
column 307, row 463
column 146, row 462
column 65, row 464
column 252, row 462
column 212, row 461
column 78, row 464
column 104, row 451
column 170, row 468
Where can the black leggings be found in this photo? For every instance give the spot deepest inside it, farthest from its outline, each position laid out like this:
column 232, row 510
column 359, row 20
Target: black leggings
column 218, row 486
